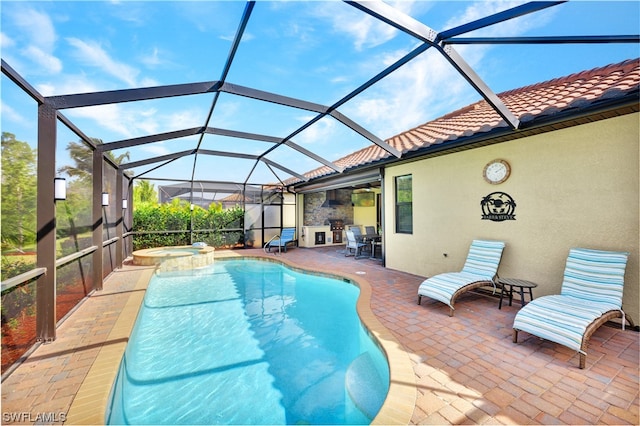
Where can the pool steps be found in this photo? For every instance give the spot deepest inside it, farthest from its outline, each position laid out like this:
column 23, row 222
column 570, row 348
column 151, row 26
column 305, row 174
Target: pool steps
column 364, row 385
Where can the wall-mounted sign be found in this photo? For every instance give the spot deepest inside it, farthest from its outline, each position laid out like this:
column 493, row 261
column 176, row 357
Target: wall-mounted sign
column 498, row 206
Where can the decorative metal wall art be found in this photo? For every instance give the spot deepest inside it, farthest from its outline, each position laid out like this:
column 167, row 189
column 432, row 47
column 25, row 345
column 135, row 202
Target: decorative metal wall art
column 498, row 207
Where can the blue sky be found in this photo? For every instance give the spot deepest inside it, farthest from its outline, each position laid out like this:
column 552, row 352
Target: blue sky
column 317, row 51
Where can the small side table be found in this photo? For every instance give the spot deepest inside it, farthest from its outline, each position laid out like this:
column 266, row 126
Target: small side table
column 514, row 282
column 374, row 244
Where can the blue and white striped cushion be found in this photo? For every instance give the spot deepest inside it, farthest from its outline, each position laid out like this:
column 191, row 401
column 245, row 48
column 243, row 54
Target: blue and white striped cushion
column 481, row 265
column 595, row 275
column 560, row 319
column 442, row 286
column 484, row 258
column 592, row 286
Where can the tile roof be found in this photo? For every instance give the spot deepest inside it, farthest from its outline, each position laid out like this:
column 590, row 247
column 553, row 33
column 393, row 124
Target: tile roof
column 572, row 92
column 234, row 198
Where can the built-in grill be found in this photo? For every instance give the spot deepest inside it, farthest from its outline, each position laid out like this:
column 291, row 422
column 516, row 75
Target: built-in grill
column 336, row 227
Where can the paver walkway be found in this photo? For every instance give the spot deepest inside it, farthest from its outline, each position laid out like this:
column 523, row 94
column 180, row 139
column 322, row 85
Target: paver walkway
column 467, row 369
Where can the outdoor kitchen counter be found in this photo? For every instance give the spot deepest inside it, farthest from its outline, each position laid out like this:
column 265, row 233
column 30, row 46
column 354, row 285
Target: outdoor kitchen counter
column 308, row 236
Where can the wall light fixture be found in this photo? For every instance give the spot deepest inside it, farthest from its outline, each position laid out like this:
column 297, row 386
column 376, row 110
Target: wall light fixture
column 59, row 189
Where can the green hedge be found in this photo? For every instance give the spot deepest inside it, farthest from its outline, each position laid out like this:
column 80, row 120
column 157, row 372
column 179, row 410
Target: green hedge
column 215, row 226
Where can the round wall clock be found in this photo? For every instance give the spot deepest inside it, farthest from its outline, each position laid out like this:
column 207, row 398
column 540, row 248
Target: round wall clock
column 496, row 171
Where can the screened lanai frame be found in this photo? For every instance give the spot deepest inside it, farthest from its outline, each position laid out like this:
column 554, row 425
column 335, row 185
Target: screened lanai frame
column 112, row 225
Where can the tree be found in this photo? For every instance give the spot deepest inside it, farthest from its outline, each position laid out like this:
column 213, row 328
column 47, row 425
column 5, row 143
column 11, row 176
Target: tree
column 83, row 158
column 144, row 192
column 74, row 218
column 19, row 192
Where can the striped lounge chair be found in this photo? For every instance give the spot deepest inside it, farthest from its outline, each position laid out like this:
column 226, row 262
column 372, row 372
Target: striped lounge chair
column 591, row 295
column 480, row 269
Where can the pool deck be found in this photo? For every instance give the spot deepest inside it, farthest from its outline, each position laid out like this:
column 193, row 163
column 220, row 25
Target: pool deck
column 461, row 370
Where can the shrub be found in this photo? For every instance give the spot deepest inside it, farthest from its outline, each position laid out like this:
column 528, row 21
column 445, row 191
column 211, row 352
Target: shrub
column 215, row 226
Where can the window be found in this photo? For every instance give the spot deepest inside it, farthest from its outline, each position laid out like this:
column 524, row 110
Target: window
column 404, row 205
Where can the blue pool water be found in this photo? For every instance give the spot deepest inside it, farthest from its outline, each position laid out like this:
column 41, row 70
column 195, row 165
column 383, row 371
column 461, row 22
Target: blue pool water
column 248, row 342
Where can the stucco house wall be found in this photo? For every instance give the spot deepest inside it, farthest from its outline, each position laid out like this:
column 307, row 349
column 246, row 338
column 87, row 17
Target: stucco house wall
column 575, row 187
column 365, row 216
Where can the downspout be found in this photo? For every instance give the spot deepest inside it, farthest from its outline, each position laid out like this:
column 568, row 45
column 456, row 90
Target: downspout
column 382, row 219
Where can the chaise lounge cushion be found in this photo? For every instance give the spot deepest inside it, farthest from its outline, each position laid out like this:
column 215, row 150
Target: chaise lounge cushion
column 442, row 287
column 560, row 319
column 591, row 293
column 480, row 268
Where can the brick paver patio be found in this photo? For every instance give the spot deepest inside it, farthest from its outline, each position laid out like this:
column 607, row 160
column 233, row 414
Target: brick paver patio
column 467, row 370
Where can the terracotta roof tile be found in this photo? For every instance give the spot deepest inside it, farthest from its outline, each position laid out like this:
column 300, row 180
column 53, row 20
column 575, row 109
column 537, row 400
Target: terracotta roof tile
column 577, row 90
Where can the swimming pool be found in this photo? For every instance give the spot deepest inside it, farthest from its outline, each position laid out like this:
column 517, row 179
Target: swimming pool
column 249, row 342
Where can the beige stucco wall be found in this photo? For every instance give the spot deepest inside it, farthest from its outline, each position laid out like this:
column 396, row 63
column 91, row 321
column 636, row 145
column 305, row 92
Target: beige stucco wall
column 575, row 187
column 365, row 216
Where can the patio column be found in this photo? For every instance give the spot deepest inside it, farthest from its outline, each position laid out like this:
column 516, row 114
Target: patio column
column 46, row 224
column 98, row 166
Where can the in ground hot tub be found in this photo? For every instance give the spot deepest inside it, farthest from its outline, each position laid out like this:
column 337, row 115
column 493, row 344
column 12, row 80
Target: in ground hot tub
column 175, row 258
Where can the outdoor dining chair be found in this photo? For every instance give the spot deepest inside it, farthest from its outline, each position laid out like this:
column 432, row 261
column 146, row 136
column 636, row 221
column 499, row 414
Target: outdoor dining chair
column 354, row 245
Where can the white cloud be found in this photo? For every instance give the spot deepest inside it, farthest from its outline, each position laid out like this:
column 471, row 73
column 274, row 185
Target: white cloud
column 512, row 27
column 37, row 27
column 12, row 115
column 67, row 84
column 109, row 117
column 125, row 121
column 156, row 149
column 120, row 121
column 46, row 89
column 246, row 36
column 429, row 86
column 38, row 36
column 184, row 119
column 152, row 59
column 227, row 113
column 156, row 58
column 6, row 41
column 92, row 54
column 321, row 131
column 149, row 82
column 47, row 61
column 364, row 30
column 423, row 89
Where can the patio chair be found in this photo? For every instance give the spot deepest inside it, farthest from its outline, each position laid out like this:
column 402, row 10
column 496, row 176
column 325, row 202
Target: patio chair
column 480, row 269
column 357, row 233
column 281, row 241
column 354, row 245
column 371, row 233
column 591, row 295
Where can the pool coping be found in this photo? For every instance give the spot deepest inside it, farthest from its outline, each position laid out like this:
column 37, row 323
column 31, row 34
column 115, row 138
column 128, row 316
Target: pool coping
column 182, row 257
column 90, row 404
